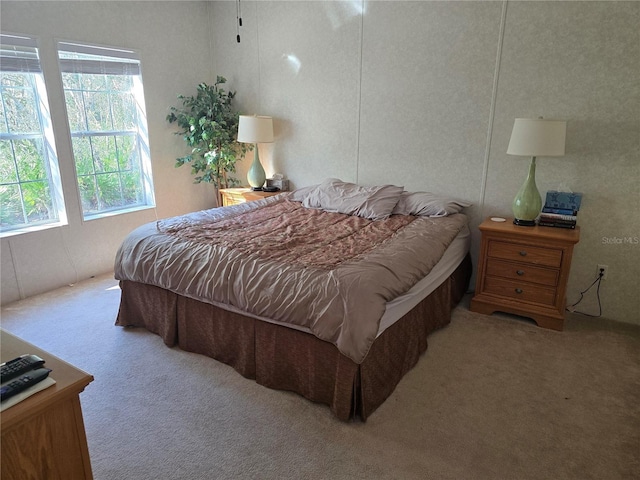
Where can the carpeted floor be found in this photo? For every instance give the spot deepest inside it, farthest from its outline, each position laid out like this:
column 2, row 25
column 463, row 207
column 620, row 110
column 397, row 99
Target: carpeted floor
column 494, row 397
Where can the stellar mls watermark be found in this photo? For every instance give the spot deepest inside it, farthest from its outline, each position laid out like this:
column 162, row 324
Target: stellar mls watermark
column 620, row 240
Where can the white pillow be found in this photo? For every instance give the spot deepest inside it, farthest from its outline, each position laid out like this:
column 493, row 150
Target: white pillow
column 427, row 204
column 299, row 194
column 374, row 203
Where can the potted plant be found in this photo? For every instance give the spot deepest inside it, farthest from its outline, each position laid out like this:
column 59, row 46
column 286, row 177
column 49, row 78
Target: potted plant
column 209, row 126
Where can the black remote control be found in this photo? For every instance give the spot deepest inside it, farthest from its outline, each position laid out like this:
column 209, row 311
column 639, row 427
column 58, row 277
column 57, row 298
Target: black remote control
column 22, row 383
column 24, row 363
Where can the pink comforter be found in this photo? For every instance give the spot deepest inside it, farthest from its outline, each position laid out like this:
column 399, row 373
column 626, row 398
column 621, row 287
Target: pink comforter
column 328, row 272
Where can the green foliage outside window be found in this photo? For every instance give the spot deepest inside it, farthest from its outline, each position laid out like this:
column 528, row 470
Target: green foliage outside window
column 109, row 177
column 25, row 193
column 103, row 122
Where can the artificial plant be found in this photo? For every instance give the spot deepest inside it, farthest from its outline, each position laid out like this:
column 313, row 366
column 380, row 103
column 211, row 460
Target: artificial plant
column 209, row 125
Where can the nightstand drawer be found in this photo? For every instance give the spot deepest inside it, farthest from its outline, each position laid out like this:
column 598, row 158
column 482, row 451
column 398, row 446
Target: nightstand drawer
column 525, row 253
column 525, row 292
column 523, row 272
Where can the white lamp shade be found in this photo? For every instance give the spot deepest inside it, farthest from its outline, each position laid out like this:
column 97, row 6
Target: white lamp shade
column 537, row 137
column 255, row 129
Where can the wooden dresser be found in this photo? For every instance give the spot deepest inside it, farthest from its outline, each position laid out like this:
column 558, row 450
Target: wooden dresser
column 524, row 271
column 234, row 196
column 43, row 436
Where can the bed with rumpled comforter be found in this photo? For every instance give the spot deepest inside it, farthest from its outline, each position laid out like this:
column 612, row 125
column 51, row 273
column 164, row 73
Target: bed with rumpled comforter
column 275, row 279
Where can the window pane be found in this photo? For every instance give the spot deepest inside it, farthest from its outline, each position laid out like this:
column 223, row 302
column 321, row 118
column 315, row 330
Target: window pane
column 37, row 201
column 11, row 211
column 3, row 121
column 8, row 172
column 131, row 188
column 71, row 81
column 98, row 111
column 75, row 111
column 14, row 79
column 88, row 195
column 109, row 190
column 128, row 158
column 120, row 83
column 82, row 155
column 21, row 112
column 124, row 111
column 92, row 82
column 30, row 159
column 104, row 154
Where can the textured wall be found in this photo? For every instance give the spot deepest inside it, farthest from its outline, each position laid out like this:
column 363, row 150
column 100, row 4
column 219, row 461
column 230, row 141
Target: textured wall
column 424, row 94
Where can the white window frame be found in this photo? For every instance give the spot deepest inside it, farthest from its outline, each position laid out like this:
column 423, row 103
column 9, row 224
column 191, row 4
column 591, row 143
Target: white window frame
column 102, row 60
column 19, row 54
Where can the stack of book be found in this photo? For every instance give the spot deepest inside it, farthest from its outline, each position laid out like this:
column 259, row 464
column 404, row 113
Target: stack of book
column 560, row 209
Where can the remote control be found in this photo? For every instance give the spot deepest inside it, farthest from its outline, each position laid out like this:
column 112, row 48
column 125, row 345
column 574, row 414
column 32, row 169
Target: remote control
column 24, row 363
column 22, row 383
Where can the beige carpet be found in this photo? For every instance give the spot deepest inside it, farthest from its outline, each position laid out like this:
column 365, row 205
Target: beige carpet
column 494, row 397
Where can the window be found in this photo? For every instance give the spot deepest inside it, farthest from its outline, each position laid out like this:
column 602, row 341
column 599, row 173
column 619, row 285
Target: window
column 30, row 189
column 107, row 119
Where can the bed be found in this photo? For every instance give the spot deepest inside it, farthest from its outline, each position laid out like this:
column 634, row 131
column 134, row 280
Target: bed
column 329, row 291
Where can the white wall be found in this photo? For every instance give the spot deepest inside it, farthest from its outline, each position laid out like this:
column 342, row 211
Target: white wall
column 424, row 94
column 173, row 42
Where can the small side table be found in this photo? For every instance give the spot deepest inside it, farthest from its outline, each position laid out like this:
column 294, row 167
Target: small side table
column 43, row 436
column 524, row 271
column 234, row 196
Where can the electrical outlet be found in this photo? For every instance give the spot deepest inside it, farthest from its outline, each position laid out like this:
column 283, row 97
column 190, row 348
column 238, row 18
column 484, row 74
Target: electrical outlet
column 604, row 269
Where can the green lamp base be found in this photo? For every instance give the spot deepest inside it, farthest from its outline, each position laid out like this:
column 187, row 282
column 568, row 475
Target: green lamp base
column 528, row 203
column 256, row 175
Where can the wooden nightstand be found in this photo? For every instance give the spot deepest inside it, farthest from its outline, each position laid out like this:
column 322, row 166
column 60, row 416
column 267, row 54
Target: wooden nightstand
column 43, row 436
column 234, row 196
column 524, row 271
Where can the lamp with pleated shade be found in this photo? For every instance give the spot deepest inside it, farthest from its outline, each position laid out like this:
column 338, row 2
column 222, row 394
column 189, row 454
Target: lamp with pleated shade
column 534, row 137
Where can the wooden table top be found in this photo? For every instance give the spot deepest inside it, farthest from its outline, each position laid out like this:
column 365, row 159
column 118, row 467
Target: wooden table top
column 550, row 233
column 70, row 381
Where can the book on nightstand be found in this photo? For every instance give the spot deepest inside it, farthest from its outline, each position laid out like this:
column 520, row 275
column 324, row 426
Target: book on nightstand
column 557, row 224
column 560, row 209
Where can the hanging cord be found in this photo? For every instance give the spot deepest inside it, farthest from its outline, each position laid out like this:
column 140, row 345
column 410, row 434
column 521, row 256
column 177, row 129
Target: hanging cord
column 238, row 20
column 572, row 308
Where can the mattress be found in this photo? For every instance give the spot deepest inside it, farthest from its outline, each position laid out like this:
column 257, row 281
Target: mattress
column 452, row 257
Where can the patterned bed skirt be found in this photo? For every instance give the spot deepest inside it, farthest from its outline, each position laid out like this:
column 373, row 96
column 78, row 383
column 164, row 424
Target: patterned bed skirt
column 286, row 359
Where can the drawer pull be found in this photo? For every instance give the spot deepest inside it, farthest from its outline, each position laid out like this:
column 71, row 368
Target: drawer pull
column 518, row 290
column 523, row 253
column 520, row 272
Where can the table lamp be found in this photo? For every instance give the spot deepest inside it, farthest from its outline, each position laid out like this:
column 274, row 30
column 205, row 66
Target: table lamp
column 534, row 137
column 255, row 129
